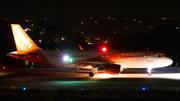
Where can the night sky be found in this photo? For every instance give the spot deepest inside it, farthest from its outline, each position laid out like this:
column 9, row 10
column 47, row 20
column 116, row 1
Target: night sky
column 99, row 8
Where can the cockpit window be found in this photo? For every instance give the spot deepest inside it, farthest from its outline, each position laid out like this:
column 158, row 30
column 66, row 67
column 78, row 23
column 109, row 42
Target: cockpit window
column 161, row 56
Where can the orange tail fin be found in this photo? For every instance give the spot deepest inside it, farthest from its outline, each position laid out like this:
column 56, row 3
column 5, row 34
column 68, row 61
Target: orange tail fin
column 23, row 42
column 80, row 47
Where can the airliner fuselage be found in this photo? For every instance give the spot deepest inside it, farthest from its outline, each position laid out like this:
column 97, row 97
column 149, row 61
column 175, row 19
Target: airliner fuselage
column 113, row 61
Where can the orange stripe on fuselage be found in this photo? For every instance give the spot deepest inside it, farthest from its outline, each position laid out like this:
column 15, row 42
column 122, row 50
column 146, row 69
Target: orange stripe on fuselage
column 123, row 55
column 36, row 57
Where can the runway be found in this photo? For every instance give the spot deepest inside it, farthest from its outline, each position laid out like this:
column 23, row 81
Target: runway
column 56, row 78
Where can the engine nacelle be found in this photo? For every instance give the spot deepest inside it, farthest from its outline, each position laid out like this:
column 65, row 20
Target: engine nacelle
column 112, row 69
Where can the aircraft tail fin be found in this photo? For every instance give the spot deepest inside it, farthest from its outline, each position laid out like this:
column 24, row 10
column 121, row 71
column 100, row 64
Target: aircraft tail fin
column 22, row 40
column 80, row 47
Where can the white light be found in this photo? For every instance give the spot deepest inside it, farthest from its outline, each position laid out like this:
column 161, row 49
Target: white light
column 66, row 58
column 176, row 27
column 26, row 29
column 149, row 70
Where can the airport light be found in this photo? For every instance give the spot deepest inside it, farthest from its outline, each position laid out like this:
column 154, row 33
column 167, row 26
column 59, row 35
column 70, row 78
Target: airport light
column 4, row 67
column 24, row 88
column 143, row 88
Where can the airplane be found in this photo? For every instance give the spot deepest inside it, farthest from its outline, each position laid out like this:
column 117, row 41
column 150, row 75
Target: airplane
column 114, row 62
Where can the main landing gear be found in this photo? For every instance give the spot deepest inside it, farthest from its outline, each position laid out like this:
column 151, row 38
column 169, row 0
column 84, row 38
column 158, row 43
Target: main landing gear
column 93, row 72
column 149, row 71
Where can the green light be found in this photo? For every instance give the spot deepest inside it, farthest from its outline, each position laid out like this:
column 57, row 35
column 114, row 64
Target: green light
column 70, row 60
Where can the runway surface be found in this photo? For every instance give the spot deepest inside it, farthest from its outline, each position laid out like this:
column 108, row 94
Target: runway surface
column 56, row 78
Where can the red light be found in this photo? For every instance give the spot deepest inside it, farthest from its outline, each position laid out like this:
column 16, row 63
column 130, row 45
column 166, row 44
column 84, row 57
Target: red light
column 104, row 49
column 4, row 67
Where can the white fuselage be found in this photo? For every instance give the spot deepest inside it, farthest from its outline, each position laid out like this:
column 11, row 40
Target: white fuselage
column 96, row 57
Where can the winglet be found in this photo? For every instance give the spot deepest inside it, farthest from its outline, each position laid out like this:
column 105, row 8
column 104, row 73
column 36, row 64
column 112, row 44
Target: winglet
column 22, row 40
column 80, row 47
column 58, row 51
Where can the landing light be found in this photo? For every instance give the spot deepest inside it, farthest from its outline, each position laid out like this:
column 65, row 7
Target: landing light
column 66, row 58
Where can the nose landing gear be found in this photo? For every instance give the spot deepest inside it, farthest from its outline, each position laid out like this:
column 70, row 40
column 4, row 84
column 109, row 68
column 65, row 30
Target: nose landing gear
column 149, row 71
column 93, row 72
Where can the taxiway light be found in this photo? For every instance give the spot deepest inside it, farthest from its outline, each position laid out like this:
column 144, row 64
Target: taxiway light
column 143, row 88
column 24, row 88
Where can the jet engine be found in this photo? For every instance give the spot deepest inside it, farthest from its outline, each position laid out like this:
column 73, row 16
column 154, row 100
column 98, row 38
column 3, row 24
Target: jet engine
column 112, row 69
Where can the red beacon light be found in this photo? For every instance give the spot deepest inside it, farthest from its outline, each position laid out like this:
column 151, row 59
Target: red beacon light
column 104, row 49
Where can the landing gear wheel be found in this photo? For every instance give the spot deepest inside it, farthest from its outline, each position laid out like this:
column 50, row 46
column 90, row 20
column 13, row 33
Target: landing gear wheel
column 91, row 74
column 149, row 71
column 149, row 74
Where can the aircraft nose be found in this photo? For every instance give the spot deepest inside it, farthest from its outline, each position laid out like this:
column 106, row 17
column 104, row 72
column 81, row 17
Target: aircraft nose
column 168, row 61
